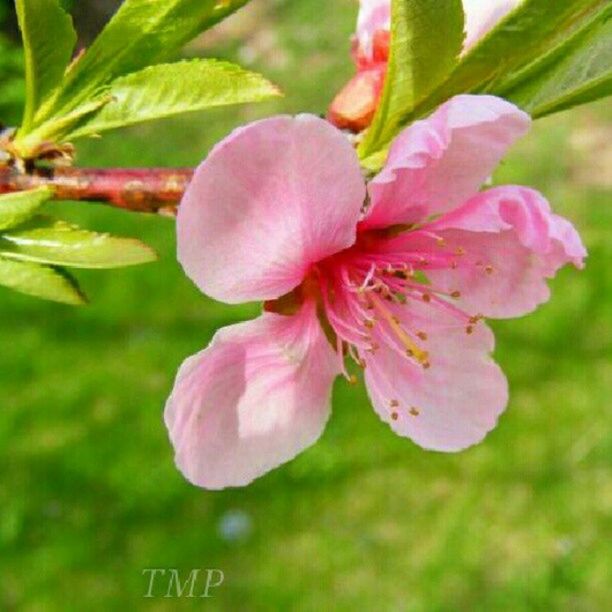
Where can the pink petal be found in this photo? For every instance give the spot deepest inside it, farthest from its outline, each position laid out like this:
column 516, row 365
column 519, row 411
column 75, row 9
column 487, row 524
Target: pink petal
column 436, row 164
column 453, row 404
column 270, row 200
column 517, row 242
column 374, row 16
column 481, row 16
column 255, row 398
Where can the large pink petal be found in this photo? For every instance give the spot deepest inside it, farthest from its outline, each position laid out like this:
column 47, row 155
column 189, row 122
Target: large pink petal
column 436, row 164
column 271, row 199
column 255, row 398
column 481, row 16
column 511, row 243
column 454, row 403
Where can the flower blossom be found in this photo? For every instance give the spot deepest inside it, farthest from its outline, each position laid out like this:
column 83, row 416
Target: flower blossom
column 396, row 275
column 354, row 106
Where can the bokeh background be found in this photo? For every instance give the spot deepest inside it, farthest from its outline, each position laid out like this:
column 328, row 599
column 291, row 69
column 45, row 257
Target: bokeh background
column 89, row 496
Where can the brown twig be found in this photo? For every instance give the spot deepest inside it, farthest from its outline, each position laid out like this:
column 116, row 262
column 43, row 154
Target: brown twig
column 148, row 190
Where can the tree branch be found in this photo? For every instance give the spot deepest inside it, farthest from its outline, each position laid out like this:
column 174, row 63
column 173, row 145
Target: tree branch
column 148, row 190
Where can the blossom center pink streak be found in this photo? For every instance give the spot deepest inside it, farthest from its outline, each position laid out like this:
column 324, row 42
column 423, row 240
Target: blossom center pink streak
column 366, row 292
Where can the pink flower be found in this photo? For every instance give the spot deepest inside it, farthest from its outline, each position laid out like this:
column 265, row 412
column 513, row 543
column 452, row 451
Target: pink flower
column 397, row 280
column 354, row 106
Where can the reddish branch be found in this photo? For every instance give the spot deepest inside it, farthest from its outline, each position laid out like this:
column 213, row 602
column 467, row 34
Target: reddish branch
column 151, row 190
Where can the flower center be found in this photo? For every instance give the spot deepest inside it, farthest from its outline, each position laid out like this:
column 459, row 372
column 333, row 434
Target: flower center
column 375, row 292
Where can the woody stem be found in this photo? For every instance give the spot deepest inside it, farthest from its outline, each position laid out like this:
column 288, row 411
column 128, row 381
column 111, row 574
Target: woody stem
column 149, row 190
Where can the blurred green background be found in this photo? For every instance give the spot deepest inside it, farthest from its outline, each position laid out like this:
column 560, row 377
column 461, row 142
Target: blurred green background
column 89, row 496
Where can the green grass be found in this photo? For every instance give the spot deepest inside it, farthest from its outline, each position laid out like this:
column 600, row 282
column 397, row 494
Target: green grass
column 362, row 521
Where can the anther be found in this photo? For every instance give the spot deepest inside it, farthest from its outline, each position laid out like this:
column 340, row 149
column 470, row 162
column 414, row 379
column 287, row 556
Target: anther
column 469, row 329
column 460, row 251
column 456, row 294
column 489, row 269
column 426, row 298
column 414, row 411
column 394, row 416
column 393, row 403
column 422, row 335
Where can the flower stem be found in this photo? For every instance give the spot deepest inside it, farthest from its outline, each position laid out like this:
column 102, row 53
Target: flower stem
column 145, row 190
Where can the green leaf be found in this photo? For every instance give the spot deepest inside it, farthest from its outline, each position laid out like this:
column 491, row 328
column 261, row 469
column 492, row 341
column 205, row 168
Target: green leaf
column 55, row 242
column 426, row 39
column 142, row 32
column 15, row 208
column 48, row 40
column 576, row 72
column 56, row 129
column 533, row 29
column 168, row 89
column 40, row 281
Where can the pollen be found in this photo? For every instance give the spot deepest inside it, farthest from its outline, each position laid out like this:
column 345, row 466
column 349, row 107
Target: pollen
column 426, row 298
column 456, row 295
column 489, row 269
column 469, row 329
column 422, row 335
column 460, row 251
column 394, row 416
column 414, row 411
column 394, row 403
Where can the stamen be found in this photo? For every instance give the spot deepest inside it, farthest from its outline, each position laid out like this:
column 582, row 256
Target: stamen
column 368, row 278
column 415, row 351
